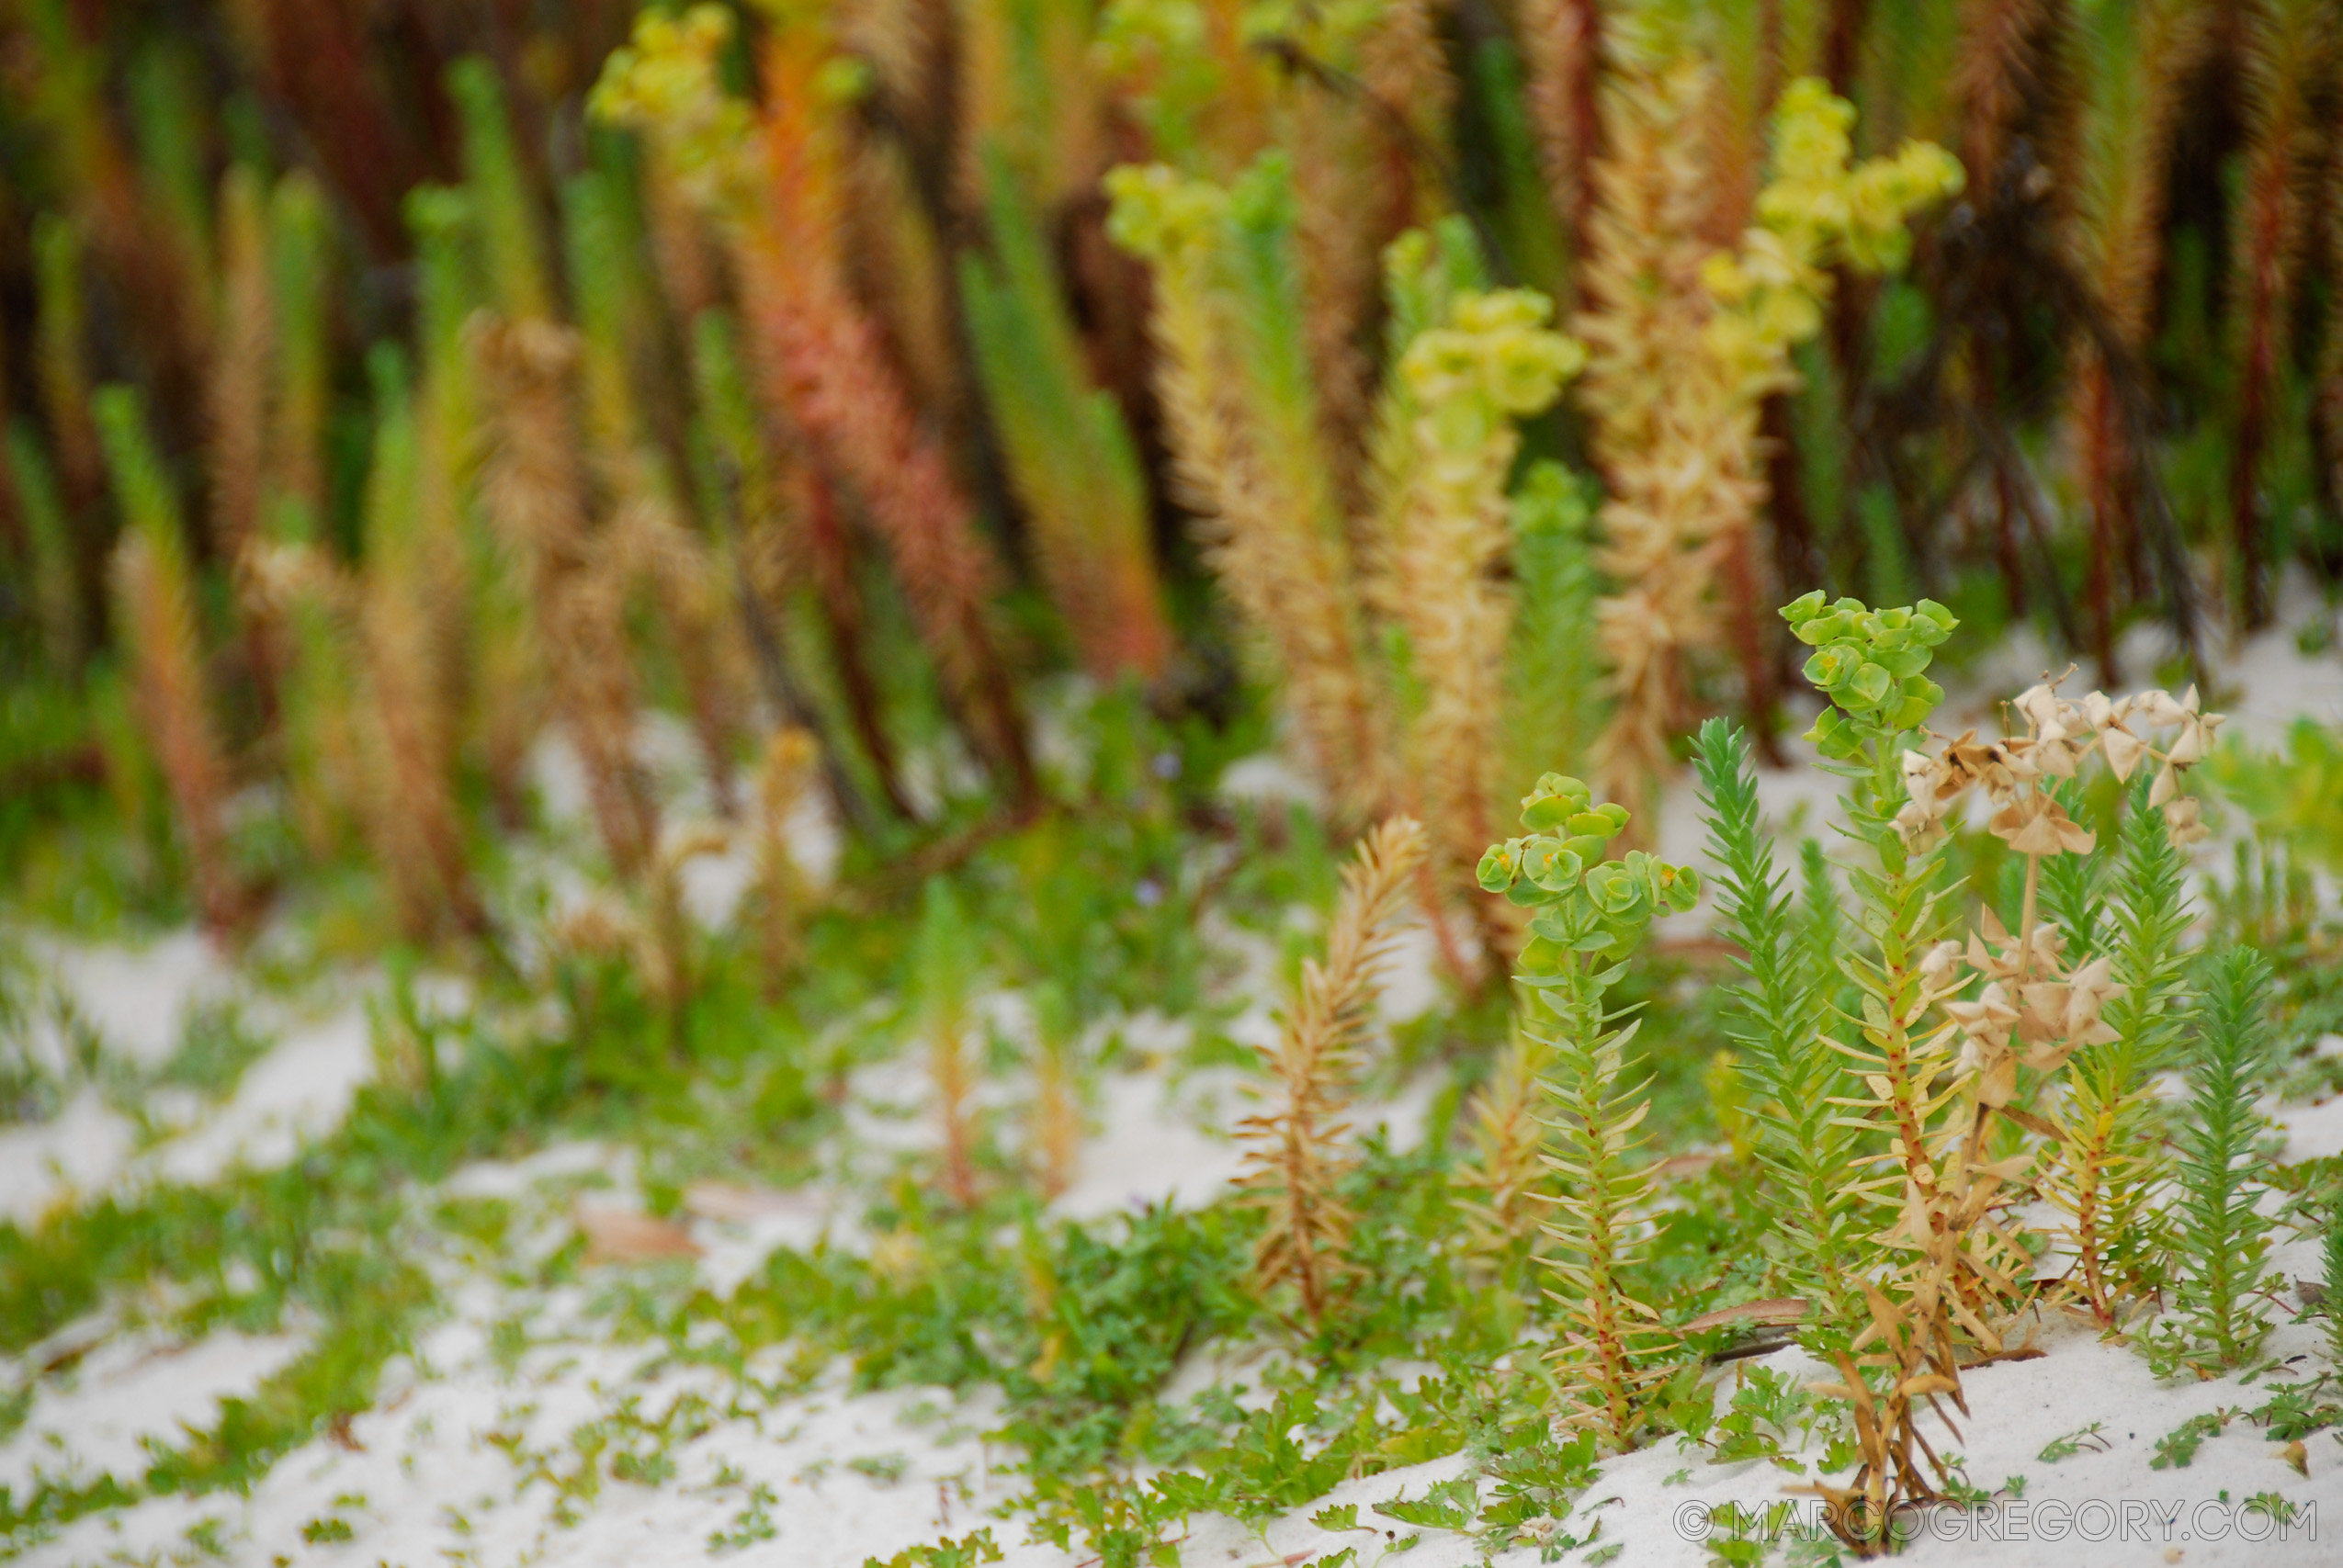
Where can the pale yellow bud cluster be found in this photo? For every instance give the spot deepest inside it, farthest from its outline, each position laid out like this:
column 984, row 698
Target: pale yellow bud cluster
column 1495, row 360
column 1162, row 215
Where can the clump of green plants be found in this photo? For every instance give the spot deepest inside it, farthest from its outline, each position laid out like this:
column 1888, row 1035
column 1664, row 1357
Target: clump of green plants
column 1957, row 1044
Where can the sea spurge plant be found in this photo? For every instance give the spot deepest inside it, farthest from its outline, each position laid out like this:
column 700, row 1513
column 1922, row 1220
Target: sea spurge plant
column 1688, row 340
column 825, row 361
column 667, row 79
column 1942, row 1133
column 534, row 490
column 1464, row 381
column 1919, row 1278
column 1587, row 908
column 1589, row 915
column 1068, row 450
column 1239, row 397
column 1816, row 212
column 1813, row 198
column 2041, row 1001
column 1495, row 360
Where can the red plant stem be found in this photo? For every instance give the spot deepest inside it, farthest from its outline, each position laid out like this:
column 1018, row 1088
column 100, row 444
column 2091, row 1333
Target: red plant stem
column 823, row 360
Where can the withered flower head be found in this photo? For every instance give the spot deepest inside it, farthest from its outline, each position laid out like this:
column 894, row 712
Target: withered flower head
column 2035, row 824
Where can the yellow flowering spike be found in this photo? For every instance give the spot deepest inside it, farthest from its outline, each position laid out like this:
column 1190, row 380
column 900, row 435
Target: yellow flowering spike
column 667, row 85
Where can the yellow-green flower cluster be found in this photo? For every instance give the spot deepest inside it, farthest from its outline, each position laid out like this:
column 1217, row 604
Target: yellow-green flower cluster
column 1496, row 359
column 666, row 85
column 1831, row 212
column 1162, row 216
column 1814, row 212
column 1872, row 664
column 1586, row 904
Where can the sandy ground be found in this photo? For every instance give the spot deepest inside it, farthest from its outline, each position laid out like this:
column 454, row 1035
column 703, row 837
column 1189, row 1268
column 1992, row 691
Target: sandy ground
column 463, row 1458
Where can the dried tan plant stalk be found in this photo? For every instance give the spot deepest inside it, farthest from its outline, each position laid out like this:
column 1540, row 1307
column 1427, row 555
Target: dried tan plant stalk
column 690, row 271
column 237, row 399
column 954, row 1079
column 904, row 40
column 151, row 598
column 1670, row 489
column 407, row 732
column 669, row 960
column 2009, row 79
column 1250, row 460
column 534, row 485
column 1057, row 1090
column 1336, row 235
column 1294, row 1155
column 418, row 833
column 2288, row 48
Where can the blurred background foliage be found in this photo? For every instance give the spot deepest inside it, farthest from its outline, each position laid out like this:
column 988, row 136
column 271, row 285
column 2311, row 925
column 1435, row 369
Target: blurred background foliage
column 1457, row 384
